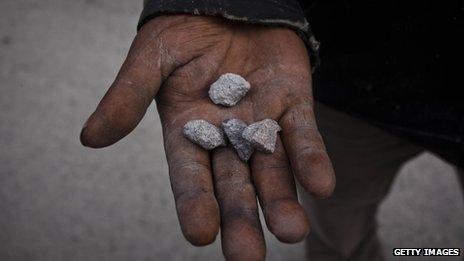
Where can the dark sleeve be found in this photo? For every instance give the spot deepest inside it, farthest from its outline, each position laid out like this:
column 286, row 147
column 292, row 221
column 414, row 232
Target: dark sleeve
column 287, row 13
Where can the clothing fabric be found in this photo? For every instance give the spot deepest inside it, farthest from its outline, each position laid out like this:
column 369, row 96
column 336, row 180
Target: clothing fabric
column 286, row 13
column 393, row 63
column 396, row 64
column 366, row 160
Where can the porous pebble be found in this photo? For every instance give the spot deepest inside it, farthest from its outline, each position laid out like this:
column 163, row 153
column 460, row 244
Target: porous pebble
column 234, row 129
column 262, row 135
column 229, row 89
column 204, row 134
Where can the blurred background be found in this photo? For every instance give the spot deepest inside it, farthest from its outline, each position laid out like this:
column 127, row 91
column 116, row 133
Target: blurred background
column 61, row 201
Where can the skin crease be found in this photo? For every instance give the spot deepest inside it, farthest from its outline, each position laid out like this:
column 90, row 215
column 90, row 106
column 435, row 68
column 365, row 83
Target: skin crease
column 174, row 59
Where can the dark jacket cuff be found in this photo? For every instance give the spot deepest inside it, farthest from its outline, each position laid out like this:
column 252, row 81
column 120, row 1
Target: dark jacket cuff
column 285, row 13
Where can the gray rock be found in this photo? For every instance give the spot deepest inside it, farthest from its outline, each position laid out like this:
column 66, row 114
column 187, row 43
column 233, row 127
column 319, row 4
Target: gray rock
column 204, row 134
column 262, row 135
column 234, row 129
column 228, row 89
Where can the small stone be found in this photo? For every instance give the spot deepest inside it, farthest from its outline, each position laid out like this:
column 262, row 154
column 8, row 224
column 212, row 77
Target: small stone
column 229, row 89
column 234, row 129
column 204, row 134
column 262, row 135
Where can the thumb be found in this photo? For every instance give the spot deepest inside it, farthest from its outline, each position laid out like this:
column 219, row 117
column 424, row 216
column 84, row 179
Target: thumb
column 126, row 101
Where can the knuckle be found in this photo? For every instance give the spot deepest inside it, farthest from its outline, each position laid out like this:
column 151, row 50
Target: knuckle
column 271, row 166
column 190, row 167
column 300, row 130
column 312, row 155
column 296, row 116
column 188, row 197
column 242, row 212
column 274, row 204
column 227, row 186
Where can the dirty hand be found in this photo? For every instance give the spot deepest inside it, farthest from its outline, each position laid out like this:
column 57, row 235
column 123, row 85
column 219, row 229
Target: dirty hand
column 174, row 59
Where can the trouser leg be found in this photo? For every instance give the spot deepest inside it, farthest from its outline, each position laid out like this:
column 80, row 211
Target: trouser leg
column 365, row 160
column 460, row 173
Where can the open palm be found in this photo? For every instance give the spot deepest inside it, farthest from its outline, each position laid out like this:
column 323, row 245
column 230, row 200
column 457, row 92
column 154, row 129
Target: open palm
column 174, row 59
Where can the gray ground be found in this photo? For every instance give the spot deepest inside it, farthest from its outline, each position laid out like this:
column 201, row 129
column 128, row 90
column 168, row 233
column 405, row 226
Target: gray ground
column 60, row 201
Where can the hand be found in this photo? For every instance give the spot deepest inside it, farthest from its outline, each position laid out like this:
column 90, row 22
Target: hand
column 174, row 59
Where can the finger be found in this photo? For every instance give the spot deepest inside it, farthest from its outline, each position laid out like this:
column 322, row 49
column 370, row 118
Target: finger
column 306, row 151
column 273, row 179
column 192, row 185
column 242, row 236
column 133, row 90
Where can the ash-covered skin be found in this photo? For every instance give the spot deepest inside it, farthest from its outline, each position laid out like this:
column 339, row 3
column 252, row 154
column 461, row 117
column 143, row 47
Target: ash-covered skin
column 204, row 134
column 262, row 135
column 229, row 89
column 234, row 129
